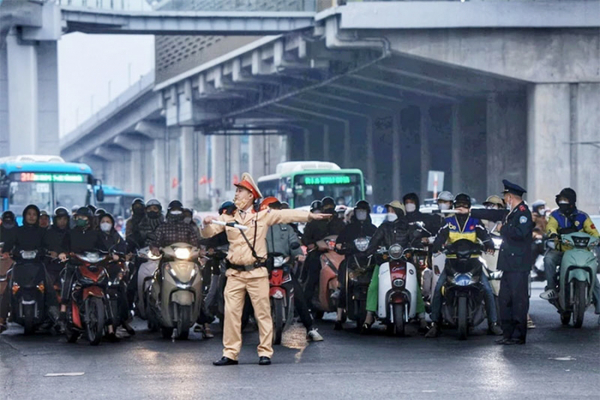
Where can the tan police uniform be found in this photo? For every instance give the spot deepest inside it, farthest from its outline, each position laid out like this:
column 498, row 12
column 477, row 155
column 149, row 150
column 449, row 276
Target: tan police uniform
column 244, row 277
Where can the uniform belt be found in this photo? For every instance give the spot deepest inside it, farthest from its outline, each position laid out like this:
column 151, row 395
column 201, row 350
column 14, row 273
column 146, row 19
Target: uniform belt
column 250, row 267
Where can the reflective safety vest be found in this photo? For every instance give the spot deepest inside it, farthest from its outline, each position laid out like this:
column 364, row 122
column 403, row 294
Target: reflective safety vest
column 457, row 232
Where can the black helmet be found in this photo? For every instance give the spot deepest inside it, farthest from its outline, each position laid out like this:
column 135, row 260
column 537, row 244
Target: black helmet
column 328, row 202
column 362, row 205
column 568, row 194
column 154, row 202
column 84, row 212
column 316, row 205
column 100, row 212
column 92, row 208
column 227, row 207
column 60, row 212
column 44, row 212
column 137, row 201
column 8, row 216
column 462, row 199
column 175, row 204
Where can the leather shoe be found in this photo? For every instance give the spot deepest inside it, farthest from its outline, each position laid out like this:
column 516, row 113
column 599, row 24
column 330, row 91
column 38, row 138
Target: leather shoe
column 225, row 361
column 505, row 341
column 264, row 361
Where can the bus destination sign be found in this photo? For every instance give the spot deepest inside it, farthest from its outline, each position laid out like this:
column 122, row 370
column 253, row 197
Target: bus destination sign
column 49, row 177
column 328, row 180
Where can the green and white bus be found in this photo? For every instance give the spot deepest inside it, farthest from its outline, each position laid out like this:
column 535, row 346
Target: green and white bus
column 299, row 183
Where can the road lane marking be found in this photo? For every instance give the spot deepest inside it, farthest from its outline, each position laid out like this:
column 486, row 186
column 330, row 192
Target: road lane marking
column 65, row 374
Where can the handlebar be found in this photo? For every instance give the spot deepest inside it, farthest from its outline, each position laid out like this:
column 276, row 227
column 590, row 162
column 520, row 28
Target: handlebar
column 230, row 224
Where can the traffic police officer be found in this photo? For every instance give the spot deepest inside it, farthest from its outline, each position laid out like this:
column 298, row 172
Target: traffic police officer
column 247, row 270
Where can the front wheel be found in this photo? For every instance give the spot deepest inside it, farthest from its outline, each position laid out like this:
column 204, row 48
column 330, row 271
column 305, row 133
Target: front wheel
column 579, row 303
column 184, row 322
column 399, row 319
column 94, row 317
column 463, row 326
column 277, row 310
column 28, row 318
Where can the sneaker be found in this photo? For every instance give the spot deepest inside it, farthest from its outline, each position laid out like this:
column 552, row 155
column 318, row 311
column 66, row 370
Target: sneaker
column 549, row 294
column 530, row 323
column 494, row 329
column 434, row 331
column 314, row 335
column 335, row 295
column 207, row 333
column 198, row 328
column 128, row 328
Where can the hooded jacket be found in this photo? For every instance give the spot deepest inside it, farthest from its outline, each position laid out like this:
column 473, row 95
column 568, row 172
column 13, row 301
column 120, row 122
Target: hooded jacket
column 354, row 230
column 112, row 240
column 28, row 236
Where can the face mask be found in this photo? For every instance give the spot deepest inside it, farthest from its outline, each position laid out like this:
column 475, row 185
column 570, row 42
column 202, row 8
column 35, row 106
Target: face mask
column 329, row 211
column 564, row 208
column 361, row 215
column 106, row 226
column 542, row 211
column 138, row 211
column 243, row 204
column 153, row 214
column 82, row 223
column 176, row 212
column 9, row 225
column 187, row 220
column 391, row 217
column 444, row 206
column 410, row 207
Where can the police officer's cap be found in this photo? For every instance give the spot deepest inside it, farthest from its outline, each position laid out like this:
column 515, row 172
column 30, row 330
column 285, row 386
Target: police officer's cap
column 513, row 188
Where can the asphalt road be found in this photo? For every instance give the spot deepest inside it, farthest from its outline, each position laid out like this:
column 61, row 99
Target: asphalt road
column 557, row 362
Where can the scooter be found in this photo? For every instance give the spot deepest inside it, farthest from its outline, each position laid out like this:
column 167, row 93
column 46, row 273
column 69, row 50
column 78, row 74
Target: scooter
column 577, row 275
column 87, row 307
column 328, row 281
column 359, row 270
column 463, row 293
column 144, row 279
column 282, row 299
column 175, row 295
column 116, row 292
column 28, row 286
column 397, row 297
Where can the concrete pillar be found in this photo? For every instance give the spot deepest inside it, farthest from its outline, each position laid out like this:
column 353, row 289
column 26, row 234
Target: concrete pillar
column 410, row 150
column 203, row 159
column 235, row 157
column 306, row 144
column 219, row 189
column 507, row 141
column 326, row 143
column 347, row 146
column 174, row 164
column 47, row 80
column 4, row 130
column 161, row 176
column 425, row 127
column 257, row 155
column 370, row 155
column 188, row 173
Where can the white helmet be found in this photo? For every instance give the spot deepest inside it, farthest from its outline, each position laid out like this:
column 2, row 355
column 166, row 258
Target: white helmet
column 446, row 196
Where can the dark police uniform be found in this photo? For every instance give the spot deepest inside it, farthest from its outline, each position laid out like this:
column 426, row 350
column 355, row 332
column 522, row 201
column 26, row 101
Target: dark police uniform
column 515, row 262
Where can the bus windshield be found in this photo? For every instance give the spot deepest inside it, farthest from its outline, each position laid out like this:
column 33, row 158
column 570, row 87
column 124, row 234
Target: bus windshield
column 345, row 189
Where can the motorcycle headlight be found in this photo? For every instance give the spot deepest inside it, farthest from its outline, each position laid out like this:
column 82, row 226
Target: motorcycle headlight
column 28, row 255
column 398, row 283
column 278, row 261
column 462, row 280
column 395, row 251
column 91, row 257
column 182, row 253
column 362, row 244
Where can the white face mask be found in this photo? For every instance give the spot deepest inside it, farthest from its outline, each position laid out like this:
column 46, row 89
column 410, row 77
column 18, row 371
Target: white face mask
column 563, row 202
column 410, row 207
column 391, row 217
column 176, row 212
column 361, row 215
column 105, row 226
column 444, row 206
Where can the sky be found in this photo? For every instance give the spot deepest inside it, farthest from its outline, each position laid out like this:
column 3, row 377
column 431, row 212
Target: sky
column 89, row 64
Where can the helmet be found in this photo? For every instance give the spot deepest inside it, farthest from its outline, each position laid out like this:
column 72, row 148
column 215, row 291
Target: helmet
column 175, row 205
column 92, row 208
column 328, row 202
column 226, row 207
column 495, row 200
column 362, row 205
column 462, row 199
column 84, row 212
column 285, row 206
column 569, row 194
column 100, row 212
column 446, row 196
column 316, row 205
column 137, row 201
column 44, row 212
column 8, row 215
column 60, row 212
column 269, row 202
column 154, row 202
column 537, row 204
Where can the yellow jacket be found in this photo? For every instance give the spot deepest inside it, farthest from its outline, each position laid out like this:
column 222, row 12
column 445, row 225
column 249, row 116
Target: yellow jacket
column 579, row 221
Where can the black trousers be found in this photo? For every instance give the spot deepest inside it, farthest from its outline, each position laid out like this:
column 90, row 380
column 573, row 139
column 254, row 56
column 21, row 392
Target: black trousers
column 514, row 304
column 312, row 266
column 300, row 303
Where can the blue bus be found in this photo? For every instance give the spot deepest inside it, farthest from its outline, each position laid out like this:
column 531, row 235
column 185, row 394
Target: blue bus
column 117, row 201
column 46, row 181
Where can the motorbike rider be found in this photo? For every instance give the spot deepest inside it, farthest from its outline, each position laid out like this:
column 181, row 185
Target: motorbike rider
column 188, row 218
column 418, row 237
column 54, row 237
column 539, row 214
column 280, row 237
column 138, row 212
column 315, row 231
column 174, row 230
column 566, row 219
column 150, row 223
column 445, row 202
column 114, row 243
column 30, row 236
column 80, row 239
column 493, row 202
column 360, row 226
column 463, row 226
column 44, row 219
column 7, row 229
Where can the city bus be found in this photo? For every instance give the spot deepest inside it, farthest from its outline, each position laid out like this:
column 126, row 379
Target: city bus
column 46, row 181
column 299, row 183
column 117, row 201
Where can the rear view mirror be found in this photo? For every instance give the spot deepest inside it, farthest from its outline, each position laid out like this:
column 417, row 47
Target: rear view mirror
column 369, row 190
column 100, row 195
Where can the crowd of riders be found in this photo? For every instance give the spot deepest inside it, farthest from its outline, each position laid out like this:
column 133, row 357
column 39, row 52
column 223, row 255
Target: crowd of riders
column 58, row 236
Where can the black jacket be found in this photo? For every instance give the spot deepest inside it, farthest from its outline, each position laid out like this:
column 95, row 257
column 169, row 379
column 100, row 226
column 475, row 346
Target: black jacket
column 319, row 229
column 78, row 240
column 113, row 242
column 55, row 238
column 26, row 237
column 355, row 230
column 415, row 234
column 389, row 233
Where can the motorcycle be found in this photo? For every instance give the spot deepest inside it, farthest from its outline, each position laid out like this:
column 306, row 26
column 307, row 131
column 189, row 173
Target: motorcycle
column 328, row 281
column 577, row 274
column 398, row 288
column 175, row 294
column 144, row 279
column 282, row 300
column 358, row 277
column 28, row 285
column 116, row 291
column 538, row 270
column 87, row 307
column 463, row 293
